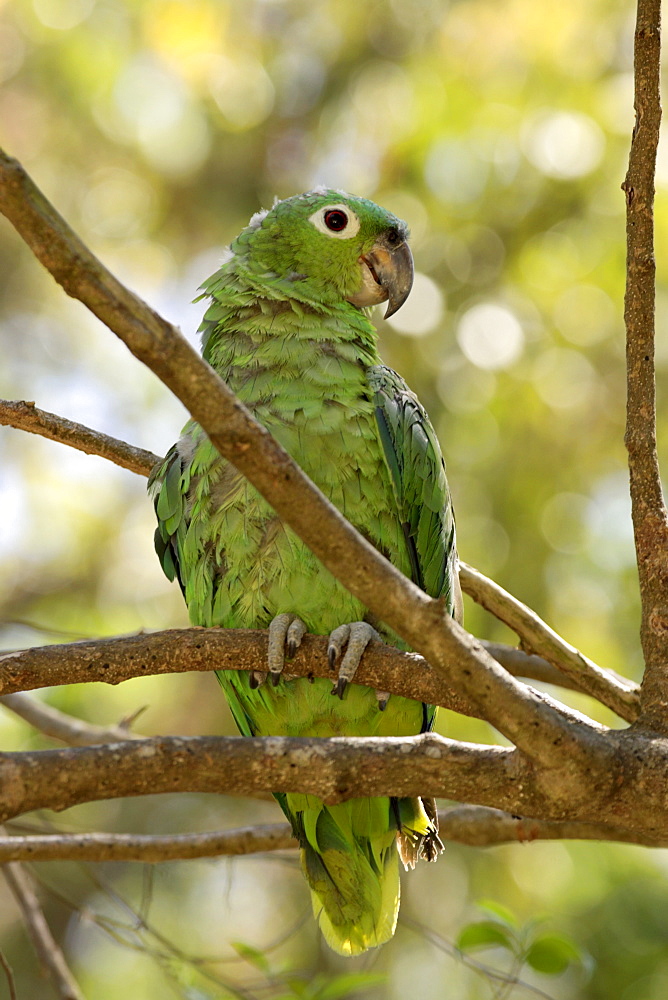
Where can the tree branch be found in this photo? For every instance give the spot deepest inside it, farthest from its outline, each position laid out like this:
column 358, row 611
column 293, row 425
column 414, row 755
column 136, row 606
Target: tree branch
column 60, row 726
column 9, row 976
column 650, row 520
column 532, row 722
column 26, row 417
column 118, row 659
column 50, row 956
column 335, row 770
column 617, row 693
column 474, row 826
column 338, row 769
column 147, row 848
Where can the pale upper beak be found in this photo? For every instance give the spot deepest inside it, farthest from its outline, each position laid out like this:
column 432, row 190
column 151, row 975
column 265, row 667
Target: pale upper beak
column 387, row 274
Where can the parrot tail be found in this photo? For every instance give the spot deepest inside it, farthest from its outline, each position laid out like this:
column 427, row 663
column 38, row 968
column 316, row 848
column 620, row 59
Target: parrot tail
column 350, row 859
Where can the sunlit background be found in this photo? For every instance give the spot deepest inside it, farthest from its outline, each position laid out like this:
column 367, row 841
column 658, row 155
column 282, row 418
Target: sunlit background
column 499, row 129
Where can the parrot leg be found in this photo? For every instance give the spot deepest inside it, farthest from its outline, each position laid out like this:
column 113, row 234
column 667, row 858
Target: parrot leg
column 283, row 630
column 356, row 636
column 287, row 630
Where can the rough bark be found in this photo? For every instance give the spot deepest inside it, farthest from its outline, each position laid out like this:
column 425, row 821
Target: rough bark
column 650, row 521
column 115, row 660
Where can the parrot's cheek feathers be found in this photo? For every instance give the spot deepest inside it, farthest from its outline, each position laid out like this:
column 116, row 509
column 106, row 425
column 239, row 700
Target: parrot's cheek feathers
column 371, row 292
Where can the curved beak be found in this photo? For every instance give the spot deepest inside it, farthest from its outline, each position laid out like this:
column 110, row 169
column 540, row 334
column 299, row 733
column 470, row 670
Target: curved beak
column 387, row 276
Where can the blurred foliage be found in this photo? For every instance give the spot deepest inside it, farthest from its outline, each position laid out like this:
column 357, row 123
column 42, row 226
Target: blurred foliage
column 499, row 129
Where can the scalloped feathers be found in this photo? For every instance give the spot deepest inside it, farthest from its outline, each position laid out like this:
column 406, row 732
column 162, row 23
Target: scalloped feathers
column 279, row 330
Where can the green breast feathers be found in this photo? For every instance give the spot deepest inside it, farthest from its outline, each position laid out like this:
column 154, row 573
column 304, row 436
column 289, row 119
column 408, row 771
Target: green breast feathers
column 288, row 330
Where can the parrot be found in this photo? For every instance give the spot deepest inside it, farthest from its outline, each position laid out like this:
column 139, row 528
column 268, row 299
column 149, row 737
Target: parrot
column 288, row 327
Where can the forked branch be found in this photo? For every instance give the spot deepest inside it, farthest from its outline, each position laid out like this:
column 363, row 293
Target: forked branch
column 531, row 722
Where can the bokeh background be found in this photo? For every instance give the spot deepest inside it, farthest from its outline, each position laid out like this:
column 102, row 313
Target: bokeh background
column 499, row 129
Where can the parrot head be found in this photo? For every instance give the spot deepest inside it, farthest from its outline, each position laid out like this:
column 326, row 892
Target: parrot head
column 335, row 244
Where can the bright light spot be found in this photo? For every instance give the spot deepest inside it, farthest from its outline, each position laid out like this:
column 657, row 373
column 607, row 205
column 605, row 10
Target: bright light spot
column 485, row 542
column 585, row 314
column 574, row 596
column 242, row 90
column 168, row 126
column 465, row 389
column 180, row 150
column 563, row 144
column 386, row 85
column 610, row 526
column 490, row 336
column 118, row 204
column 563, row 521
column 423, row 309
column 454, row 172
column 12, row 52
column 62, row 14
column 615, row 102
column 564, row 378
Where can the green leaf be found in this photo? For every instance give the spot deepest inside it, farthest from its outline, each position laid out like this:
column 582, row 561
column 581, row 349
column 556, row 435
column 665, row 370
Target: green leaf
column 485, row 934
column 498, row 912
column 552, row 953
column 347, row 983
column 252, row 955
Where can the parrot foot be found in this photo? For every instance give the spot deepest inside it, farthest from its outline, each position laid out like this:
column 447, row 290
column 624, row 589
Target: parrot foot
column 356, row 636
column 284, row 630
column 382, row 697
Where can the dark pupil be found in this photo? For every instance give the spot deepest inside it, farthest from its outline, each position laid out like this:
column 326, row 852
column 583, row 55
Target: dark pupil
column 336, row 220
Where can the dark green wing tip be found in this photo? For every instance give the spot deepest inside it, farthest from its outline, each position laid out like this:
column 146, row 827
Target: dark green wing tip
column 417, row 473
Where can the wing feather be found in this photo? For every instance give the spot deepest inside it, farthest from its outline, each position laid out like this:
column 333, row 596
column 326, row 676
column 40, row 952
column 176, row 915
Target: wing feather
column 417, row 473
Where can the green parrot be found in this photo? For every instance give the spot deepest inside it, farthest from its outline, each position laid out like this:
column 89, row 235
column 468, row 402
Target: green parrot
column 288, row 329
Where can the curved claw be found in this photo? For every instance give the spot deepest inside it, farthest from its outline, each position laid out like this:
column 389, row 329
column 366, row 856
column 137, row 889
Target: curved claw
column 284, row 629
column 356, row 636
column 339, row 688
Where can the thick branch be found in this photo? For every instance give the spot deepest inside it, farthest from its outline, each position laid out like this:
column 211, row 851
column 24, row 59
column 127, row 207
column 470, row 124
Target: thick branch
column 335, row 770
column 609, row 688
column 26, row 417
column 50, row 956
column 475, row 826
column 530, row 721
column 342, row 768
column 650, row 521
column 112, row 661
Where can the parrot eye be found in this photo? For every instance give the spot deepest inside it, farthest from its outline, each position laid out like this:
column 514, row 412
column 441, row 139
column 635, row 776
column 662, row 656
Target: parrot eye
column 336, row 220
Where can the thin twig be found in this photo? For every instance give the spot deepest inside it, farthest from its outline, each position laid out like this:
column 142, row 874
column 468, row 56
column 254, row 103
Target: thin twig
column 619, row 694
column 650, row 520
column 473, row 826
column 9, row 976
column 26, row 417
column 60, row 726
column 49, row 953
column 147, row 848
column 481, row 968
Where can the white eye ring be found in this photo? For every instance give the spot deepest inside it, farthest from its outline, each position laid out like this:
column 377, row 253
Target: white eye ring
column 350, row 229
